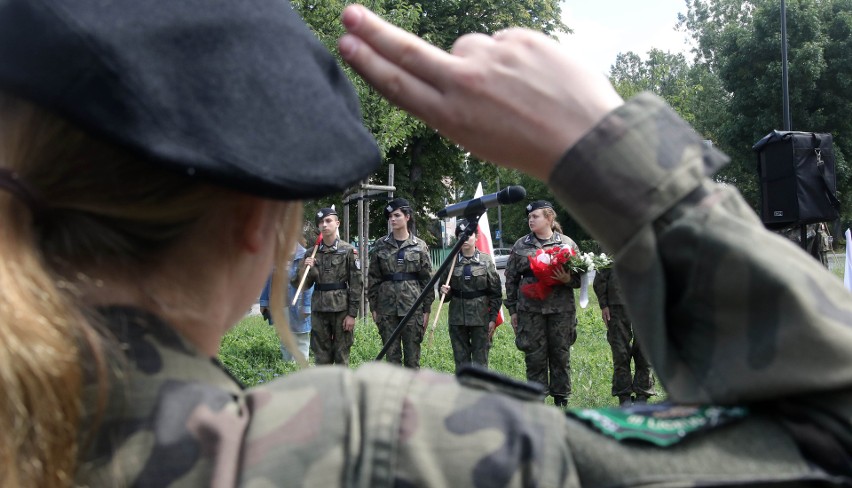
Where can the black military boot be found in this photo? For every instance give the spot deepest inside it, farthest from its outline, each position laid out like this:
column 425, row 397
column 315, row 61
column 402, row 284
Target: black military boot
column 625, row 401
column 641, row 399
column 560, row 401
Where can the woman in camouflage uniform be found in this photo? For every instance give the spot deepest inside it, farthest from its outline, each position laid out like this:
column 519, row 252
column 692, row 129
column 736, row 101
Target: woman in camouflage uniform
column 123, row 268
column 544, row 329
column 475, row 295
column 400, row 267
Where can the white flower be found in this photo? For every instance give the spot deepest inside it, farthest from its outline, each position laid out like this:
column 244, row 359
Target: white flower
column 543, row 258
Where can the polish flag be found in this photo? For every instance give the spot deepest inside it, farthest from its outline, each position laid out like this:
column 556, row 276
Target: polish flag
column 483, row 241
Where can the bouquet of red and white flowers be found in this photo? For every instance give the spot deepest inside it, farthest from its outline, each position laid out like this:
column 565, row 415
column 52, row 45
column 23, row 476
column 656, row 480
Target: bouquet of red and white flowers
column 545, row 261
column 544, row 264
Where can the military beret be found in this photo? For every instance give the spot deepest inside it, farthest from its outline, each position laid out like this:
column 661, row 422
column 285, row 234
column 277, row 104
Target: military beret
column 325, row 212
column 538, row 204
column 237, row 93
column 395, row 204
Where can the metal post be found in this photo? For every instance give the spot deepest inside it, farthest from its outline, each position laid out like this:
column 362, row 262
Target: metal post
column 390, row 193
column 499, row 216
column 346, row 222
column 362, row 252
column 785, row 89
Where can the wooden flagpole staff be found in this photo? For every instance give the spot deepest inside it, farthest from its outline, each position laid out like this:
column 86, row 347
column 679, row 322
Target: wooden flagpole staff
column 441, row 303
column 305, row 274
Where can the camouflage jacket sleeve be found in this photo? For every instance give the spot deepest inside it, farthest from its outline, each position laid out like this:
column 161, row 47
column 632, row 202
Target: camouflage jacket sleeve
column 513, row 280
column 600, row 285
column 727, row 311
column 495, row 290
column 425, row 274
column 374, row 279
column 355, row 283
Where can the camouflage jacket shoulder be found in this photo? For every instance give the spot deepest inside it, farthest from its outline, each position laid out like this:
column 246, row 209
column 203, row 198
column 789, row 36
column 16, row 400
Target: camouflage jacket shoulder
column 607, row 288
column 178, row 419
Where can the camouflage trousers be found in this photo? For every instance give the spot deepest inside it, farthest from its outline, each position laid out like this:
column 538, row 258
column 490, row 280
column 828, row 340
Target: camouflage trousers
column 330, row 344
column 546, row 340
column 410, row 338
column 470, row 344
column 625, row 349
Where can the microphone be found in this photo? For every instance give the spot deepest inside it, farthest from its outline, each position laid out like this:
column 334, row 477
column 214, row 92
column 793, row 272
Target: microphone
column 510, row 194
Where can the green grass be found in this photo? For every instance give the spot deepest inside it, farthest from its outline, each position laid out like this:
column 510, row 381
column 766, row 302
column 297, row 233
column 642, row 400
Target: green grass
column 251, row 353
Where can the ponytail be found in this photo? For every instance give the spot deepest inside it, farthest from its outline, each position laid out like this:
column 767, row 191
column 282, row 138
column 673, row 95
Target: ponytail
column 554, row 224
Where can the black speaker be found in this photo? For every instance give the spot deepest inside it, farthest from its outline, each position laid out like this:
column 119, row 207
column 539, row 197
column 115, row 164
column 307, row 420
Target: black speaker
column 797, row 179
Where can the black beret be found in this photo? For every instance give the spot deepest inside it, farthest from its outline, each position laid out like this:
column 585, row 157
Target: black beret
column 538, row 204
column 238, row 93
column 395, row 204
column 325, row 212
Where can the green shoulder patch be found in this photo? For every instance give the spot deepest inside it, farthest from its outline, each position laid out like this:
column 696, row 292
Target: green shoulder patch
column 661, row 424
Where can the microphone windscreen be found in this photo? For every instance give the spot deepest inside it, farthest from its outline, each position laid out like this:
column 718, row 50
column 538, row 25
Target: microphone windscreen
column 511, row 194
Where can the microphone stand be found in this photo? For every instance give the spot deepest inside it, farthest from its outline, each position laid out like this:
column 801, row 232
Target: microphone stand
column 465, row 235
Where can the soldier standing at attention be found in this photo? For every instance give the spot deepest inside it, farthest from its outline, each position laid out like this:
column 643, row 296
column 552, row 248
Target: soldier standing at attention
column 475, row 296
column 624, row 345
column 336, row 275
column 545, row 329
column 400, row 267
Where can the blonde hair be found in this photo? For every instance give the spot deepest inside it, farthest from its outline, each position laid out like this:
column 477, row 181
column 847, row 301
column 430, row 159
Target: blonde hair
column 550, row 214
column 100, row 207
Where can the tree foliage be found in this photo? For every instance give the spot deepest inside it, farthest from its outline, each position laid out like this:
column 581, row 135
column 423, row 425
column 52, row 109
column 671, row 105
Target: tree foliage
column 428, row 169
column 740, row 43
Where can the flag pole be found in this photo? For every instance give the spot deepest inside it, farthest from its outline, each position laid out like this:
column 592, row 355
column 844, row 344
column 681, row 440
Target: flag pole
column 305, row 274
column 440, row 304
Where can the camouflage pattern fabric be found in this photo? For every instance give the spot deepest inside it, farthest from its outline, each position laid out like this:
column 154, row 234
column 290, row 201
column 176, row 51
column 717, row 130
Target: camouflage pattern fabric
column 335, row 264
column 468, row 318
column 546, row 340
column 778, row 337
column 624, row 346
column 518, row 273
column 389, row 297
column 330, row 344
column 470, row 344
column 481, row 276
column 406, row 349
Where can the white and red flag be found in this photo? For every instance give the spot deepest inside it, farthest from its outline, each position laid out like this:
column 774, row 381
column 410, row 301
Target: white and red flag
column 483, row 241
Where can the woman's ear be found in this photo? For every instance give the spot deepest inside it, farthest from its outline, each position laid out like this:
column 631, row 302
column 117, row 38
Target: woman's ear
column 256, row 226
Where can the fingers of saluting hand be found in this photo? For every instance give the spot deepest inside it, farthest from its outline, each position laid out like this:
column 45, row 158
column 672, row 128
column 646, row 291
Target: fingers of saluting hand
column 406, row 69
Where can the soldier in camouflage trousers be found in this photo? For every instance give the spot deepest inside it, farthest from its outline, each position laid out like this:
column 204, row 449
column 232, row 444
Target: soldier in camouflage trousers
column 545, row 329
column 335, row 273
column 624, row 345
column 400, row 267
column 475, row 295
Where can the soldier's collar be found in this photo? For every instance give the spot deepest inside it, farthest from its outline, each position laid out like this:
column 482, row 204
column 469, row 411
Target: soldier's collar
column 333, row 247
column 556, row 238
column 411, row 239
column 474, row 258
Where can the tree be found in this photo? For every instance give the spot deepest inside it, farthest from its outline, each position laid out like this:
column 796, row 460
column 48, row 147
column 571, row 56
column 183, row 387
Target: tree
column 740, row 42
column 424, row 161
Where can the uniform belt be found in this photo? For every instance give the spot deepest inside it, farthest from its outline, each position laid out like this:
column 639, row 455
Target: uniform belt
column 468, row 294
column 330, row 286
column 400, row 277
